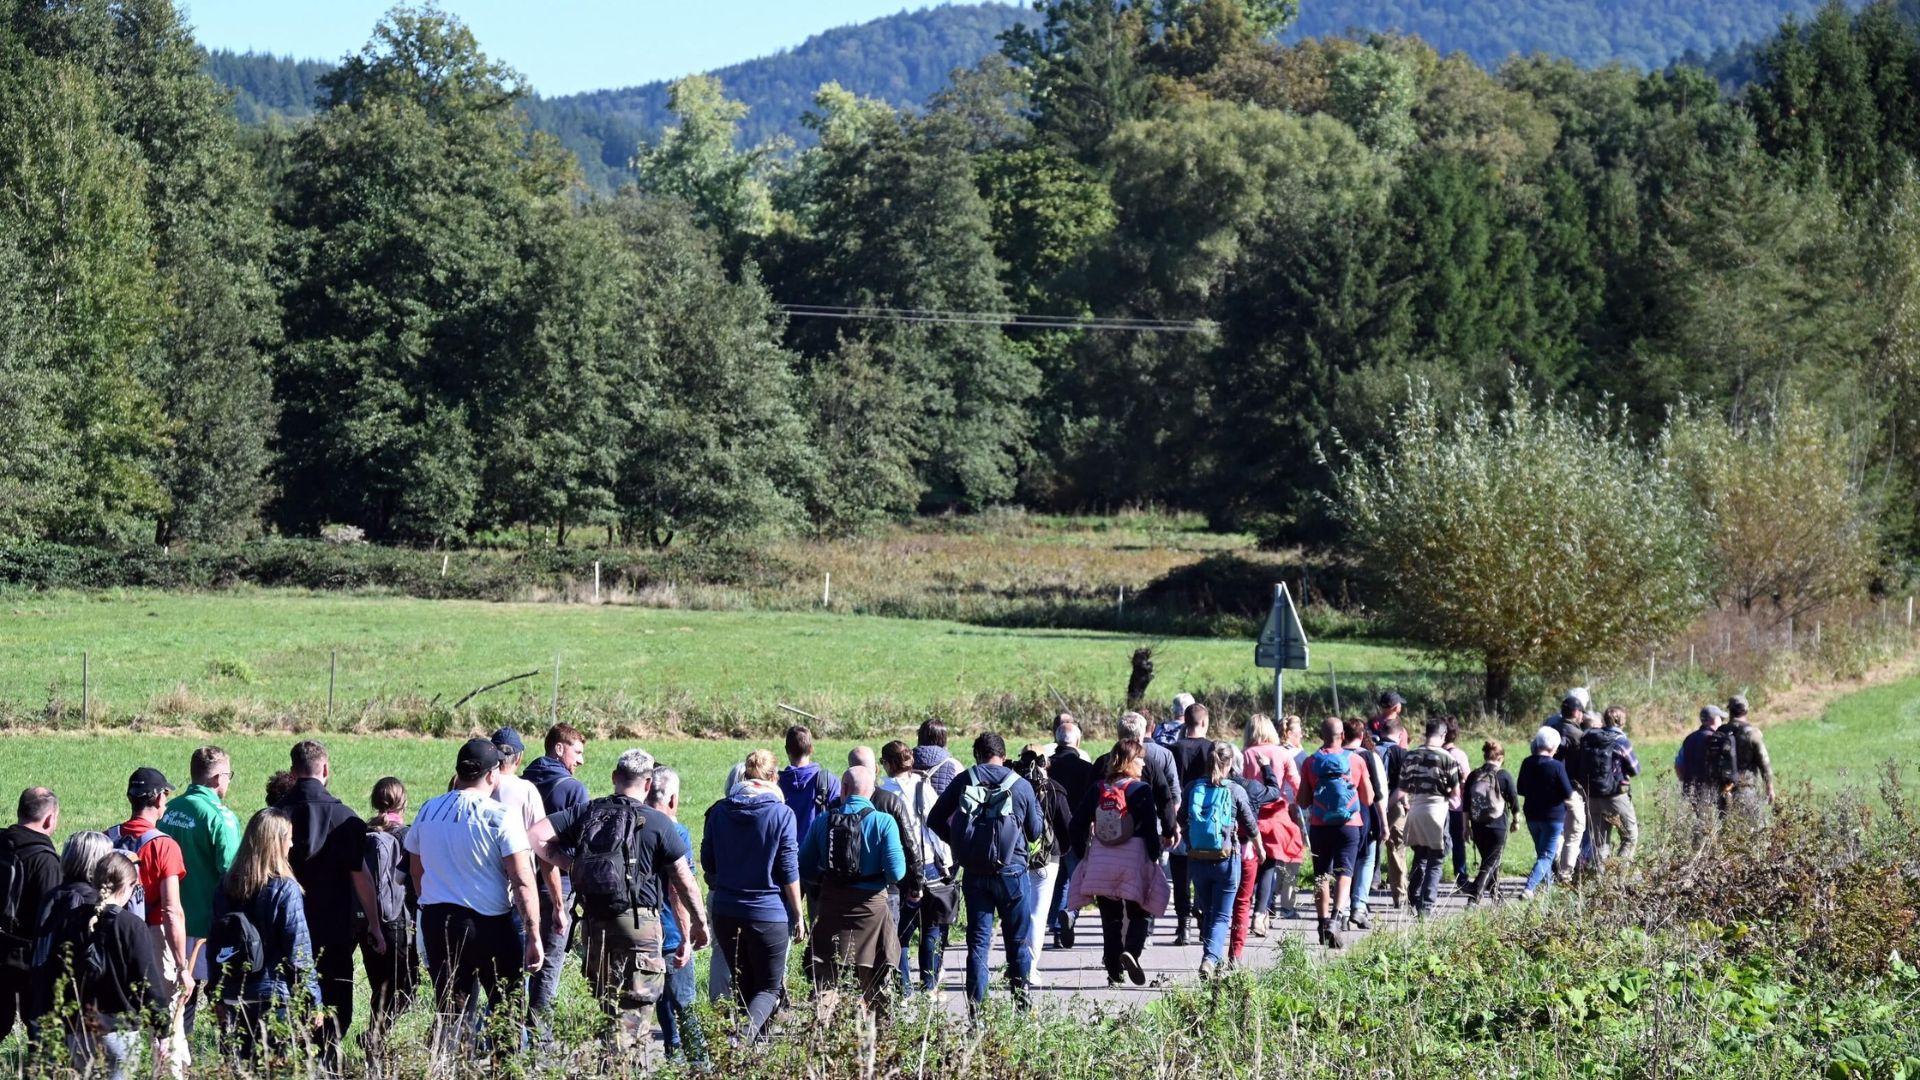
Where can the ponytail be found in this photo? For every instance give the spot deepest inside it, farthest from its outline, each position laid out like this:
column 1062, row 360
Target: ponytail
column 115, row 873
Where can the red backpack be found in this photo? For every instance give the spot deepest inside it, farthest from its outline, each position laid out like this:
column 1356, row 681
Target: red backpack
column 1112, row 824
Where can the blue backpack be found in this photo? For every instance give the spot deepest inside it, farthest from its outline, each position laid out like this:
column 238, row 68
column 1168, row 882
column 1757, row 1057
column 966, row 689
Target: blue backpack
column 1335, row 802
column 1209, row 821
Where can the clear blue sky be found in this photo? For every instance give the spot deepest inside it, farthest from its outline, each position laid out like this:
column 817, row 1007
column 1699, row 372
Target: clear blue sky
column 563, row 46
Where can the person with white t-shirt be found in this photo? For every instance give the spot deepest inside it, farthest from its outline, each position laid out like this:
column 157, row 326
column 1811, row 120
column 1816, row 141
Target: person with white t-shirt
column 472, row 872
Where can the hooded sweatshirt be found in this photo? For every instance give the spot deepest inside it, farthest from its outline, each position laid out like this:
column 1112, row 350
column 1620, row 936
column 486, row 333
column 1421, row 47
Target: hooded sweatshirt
column 754, row 828
column 559, row 789
column 958, row 830
column 809, row 790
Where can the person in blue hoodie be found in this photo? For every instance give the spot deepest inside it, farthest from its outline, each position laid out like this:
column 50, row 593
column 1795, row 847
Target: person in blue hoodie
column 553, row 776
column 990, row 817
column 755, row 887
column 852, row 854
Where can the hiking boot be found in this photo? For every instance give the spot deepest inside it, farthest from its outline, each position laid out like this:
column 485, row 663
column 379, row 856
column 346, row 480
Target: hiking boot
column 1180, row 935
column 1362, row 920
column 1206, row 970
column 1131, row 965
column 1330, row 937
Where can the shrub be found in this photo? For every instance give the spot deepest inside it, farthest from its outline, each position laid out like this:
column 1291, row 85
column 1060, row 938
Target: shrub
column 1525, row 539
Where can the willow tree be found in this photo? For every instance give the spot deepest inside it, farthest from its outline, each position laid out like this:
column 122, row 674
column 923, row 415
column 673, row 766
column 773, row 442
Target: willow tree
column 1522, row 538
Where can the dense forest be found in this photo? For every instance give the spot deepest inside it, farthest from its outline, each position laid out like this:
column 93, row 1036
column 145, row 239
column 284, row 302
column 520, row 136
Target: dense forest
column 407, row 315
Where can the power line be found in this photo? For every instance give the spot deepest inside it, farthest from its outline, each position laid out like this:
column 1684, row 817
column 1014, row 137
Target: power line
column 994, row 318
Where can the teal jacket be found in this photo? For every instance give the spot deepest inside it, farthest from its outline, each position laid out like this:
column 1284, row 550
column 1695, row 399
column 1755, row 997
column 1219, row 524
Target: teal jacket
column 882, row 860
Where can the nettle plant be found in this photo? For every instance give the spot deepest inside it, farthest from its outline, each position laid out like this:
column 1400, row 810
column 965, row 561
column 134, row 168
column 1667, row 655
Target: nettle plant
column 1524, row 538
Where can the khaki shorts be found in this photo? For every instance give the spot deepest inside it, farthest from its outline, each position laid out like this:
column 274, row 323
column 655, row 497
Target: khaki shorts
column 624, row 962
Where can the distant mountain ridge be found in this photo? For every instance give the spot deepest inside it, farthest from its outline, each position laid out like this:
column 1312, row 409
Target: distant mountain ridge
column 905, row 58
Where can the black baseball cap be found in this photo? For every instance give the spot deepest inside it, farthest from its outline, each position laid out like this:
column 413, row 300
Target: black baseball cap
column 478, row 757
column 145, row 783
column 1391, row 698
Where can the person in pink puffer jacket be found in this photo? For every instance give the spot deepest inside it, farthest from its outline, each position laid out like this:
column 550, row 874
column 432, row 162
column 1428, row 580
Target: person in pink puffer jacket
column 1119, row 853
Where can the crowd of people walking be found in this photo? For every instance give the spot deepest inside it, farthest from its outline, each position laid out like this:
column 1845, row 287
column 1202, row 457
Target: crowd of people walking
column 115, row 945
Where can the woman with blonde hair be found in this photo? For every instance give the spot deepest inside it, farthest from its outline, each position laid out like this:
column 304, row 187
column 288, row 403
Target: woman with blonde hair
column 755, row 887
column 255, row 993
column 1282, row 845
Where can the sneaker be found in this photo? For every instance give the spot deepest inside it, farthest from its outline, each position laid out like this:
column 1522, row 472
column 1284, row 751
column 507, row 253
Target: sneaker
column 1463, row 883
column 1206, row 970
column 1180, row 935
column 1066, row 936
column 1526, row 894
column 1131, row 965
column 1287, row 913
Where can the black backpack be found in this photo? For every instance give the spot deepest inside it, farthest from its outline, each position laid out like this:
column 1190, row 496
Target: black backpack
column 606, row 858
column 234, row 952
column 1600, row 771
column 1723, row 757
column 13, row 891
column 846, row 846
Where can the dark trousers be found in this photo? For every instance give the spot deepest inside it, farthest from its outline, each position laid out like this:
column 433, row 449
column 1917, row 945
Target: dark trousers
column 757, row 954
column 1428, row 863
column 1491, row 843
column 1123, row 928
column 13, row 989
column 333, row 963
column 254, row 1029
column 1457, row 837
column 392, row 978
column 469, row 954
column 1182, row 889
column 933, row 946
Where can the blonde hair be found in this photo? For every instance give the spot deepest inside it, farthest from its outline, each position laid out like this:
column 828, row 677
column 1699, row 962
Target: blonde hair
column 262, row 856
column 115, row 873
column 760, row 766
column 1260, row 731
column 1221, row 765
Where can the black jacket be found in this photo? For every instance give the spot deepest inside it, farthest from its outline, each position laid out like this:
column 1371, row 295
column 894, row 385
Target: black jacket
column 329, row 846
column 1072, row 771
column 39, row 864
column 890, row 803
column 128, row 991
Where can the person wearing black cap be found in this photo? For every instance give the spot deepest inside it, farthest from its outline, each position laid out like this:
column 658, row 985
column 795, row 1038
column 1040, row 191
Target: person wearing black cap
column 1391, row 706
column 156, row 897
column 472, row 870
column 328, row 859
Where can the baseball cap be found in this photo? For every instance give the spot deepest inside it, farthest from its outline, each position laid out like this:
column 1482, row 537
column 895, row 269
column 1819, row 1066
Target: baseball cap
column 1391, row 698
column 1573, row 701
column 508, row 741
column 478, row 757
column 1712, row 712
column 145, row 783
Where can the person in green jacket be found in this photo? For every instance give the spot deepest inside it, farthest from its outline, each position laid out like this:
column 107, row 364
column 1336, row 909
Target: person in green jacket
column 209, row 836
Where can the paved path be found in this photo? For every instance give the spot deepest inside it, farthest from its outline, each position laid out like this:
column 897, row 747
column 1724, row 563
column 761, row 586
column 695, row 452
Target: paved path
column 1074, row 974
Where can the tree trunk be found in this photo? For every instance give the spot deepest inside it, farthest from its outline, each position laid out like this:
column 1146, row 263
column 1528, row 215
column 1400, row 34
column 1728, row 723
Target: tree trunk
column 1499, row 685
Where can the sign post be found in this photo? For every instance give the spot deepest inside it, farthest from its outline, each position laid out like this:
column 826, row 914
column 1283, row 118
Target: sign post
column 1282, row 646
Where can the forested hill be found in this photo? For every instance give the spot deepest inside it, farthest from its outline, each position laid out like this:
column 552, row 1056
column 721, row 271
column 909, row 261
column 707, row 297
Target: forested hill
column 902, row 59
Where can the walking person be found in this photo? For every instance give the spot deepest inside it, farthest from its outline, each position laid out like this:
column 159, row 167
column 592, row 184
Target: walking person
column 553, row 775
column 1292, row 736
column 887, row 799
column 1116, row 836
column 1341, row 784
column 394, row 975
column 156, row 900
column 1044, row 854
column 1431, row 778
column 751, row 858
column 1393, row 843
column 1160, row 773
column 930, row 756
column 1258, row 792
column 1571, row 725
column 106, row 984
column 29, row 873
column 629, row 868
column 1280, row 845
column 1373, row 818
column 1072, row 770
column 929, row 908
column 1456, row 808
column 1492, row 802
column 1708, row 762
column 1545, row 791
column 1752, row 790
column 209, row 836
column 1193, row 759
column 472, row 869
column 329, row 861
column 680, row 1032
column 73, row 897
column 854, row 854
column 1607, row 768
column 990, row 816
column 260, row 956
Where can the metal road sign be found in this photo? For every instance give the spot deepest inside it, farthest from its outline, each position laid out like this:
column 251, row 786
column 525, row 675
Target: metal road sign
column 1282, row 644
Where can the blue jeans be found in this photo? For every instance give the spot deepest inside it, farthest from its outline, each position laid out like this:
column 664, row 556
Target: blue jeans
column 1546, row 847
column 1214, row 884
column 1005, row 895
column 933, row 944
column 1057, row 917
column 679, row 1025
column 544, row 986
column 1363, row 874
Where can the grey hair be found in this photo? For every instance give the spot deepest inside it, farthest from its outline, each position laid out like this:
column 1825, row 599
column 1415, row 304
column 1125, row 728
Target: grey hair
column 1546, row 740
column 83, row 855
column 1133, row 726
column 1067, row 732
column 666, row 784
column 634, row 766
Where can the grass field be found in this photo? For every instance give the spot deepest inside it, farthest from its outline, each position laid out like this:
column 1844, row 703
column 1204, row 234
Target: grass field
column 265, row 655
